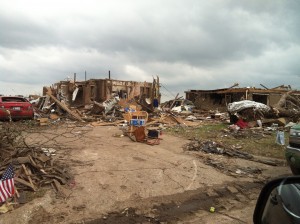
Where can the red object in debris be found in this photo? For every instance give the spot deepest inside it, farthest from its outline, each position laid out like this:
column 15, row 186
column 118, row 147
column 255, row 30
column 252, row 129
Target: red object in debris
column 72, row 183
column 242, row 124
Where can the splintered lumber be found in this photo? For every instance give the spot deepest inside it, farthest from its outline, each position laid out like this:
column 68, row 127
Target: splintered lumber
column 28, row 176
column 43, row 158
column 294, row 100
column 33, row 163
column 32, row 167
column 177, row 119
column 62, row 172
column 61, row 190
column 282, row 100
column 60, row 179
column 54, row 116
column 43, row 121
column 174, row 100
column 27, row 184
column 65, row 108
column 153, row 122
column 106, row 123
column 288, row 106
column 17, row 192
column 24, row 159
column 267, row 162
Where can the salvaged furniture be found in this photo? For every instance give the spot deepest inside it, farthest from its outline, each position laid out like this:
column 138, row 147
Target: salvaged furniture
column 135, row 120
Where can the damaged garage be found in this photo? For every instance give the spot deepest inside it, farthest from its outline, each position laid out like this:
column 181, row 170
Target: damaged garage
column 218, row 99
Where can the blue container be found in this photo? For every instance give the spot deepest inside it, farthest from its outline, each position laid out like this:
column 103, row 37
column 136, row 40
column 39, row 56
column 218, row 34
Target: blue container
column 134, row 122
column 142, row 122
column 137, row 122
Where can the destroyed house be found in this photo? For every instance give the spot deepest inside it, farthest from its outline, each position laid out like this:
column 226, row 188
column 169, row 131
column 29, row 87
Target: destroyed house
column 80, row 93
column 220, row 98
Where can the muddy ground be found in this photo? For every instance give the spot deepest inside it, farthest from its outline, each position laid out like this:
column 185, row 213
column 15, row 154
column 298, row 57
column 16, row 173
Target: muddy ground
column 117, row 180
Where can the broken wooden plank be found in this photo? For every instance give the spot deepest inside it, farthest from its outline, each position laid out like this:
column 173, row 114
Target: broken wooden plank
column 62, row 172
column 174, row 101
column 282, row 100
column 23, row 160
column 21, row 181
column 60, row 179
column 177, row 120
column 17, row 192
column 28, row 176
column 32, row 161
column 65, row 193
column 34, row 164
column 43, row 158
column 43, row 121
column 54, row 116
column 267, row 162
column 106, row 123
column 153, row 122
column 65, row 108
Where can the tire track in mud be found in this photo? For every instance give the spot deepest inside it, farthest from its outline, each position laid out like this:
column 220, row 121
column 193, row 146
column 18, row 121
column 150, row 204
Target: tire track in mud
column 179, row 207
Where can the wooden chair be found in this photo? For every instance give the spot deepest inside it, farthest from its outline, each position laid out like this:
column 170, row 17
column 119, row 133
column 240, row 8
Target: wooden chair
column 135, row 119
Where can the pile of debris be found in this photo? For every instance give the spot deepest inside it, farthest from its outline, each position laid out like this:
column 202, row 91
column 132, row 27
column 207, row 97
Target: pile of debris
column 52, row 108
column 211, row 147
column 34, row 167
column 288, row 106
column 246, row 113
column 215, row 148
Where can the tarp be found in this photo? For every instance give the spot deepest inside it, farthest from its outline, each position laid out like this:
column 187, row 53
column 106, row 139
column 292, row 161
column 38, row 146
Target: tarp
column 245, row 104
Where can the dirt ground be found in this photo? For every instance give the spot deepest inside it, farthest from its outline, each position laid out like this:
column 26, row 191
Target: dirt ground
column 117, row 180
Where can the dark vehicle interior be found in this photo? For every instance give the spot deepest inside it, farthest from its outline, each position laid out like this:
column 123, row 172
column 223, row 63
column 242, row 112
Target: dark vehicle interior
column 13, row 99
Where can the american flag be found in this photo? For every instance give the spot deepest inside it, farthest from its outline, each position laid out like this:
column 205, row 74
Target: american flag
column 7, row 187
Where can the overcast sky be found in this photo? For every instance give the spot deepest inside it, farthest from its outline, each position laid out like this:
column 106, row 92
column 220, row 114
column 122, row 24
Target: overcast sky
column 189, row 44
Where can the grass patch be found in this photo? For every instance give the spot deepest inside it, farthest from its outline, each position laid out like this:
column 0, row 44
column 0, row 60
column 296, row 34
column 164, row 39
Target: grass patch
column 255, row 142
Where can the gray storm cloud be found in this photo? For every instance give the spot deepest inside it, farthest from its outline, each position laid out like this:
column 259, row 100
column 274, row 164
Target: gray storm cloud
column 189, row 44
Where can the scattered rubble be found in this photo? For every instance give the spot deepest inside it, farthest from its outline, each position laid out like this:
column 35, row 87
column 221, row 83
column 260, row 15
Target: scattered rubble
column 142, row 118
column 216, row 148
column 34, row 166
column 69, row 99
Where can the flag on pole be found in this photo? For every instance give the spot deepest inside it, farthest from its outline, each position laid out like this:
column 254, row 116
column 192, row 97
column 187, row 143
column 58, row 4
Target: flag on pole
column 7, row 187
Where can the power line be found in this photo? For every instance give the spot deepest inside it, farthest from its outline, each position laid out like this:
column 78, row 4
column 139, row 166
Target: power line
column 167, row 90
column 166, row 94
